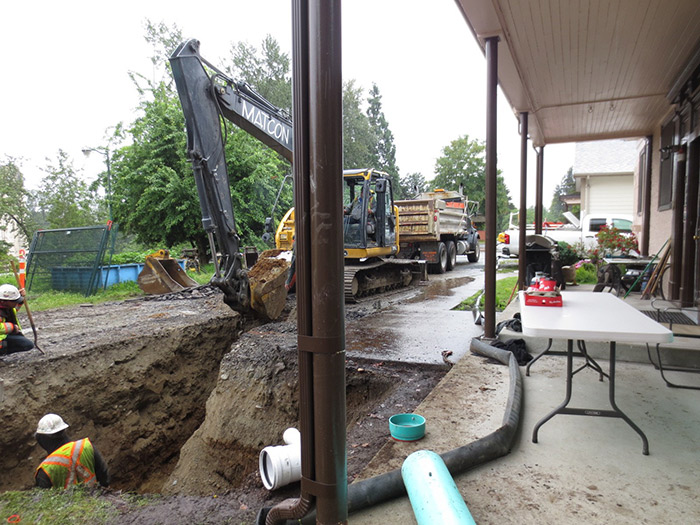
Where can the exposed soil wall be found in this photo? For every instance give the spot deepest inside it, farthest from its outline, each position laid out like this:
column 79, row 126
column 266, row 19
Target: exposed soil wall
column 256, row 399
column 132, row 376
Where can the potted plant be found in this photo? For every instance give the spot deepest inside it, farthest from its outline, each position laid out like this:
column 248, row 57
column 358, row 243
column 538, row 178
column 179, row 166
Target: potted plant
column 568, row 257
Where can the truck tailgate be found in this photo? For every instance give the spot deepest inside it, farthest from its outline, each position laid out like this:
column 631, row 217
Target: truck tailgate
column 422, row 219
column 416, row 220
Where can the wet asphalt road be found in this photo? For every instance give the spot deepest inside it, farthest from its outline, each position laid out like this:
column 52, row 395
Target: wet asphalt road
column 421, row 326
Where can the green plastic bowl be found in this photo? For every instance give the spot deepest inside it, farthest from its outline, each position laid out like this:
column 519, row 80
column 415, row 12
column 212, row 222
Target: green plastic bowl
column 407, row 427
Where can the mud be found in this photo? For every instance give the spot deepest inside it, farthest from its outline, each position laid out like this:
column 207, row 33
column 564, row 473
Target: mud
column 180, row 395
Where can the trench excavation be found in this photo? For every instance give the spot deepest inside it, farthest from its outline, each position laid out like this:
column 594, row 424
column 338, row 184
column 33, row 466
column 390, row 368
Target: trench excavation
column 181, row 396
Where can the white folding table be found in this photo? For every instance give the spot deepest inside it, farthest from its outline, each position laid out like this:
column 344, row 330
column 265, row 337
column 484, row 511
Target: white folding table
column 591, row 316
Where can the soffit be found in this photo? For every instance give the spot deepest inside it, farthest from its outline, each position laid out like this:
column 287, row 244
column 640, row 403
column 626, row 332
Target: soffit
column 588, row 70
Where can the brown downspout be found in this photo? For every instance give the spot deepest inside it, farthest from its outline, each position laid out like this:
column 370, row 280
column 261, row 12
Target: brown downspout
column 646, row 203
column 522, row 217
column 539, row 185
column 317, row 83
column 491, row 196
column 691, row 219
column 328, row 299
column 677, row 225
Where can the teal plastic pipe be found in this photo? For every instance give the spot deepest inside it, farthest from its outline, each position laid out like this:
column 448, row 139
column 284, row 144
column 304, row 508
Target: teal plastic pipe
column 433, row 493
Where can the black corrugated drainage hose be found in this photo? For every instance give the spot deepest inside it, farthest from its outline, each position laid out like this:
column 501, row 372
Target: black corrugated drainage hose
column 372, row 491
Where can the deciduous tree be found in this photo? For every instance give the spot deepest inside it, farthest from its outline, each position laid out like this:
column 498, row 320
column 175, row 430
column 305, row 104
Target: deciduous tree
column 463, row 162
column 14, row 200
column 413, row 184
column 64, row 199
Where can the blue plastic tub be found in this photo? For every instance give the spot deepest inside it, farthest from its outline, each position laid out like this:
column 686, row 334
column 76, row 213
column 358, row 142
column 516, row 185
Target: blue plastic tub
column 407, row 427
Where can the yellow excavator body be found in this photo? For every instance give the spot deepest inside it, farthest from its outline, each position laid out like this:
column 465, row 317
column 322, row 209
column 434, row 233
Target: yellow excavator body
column 284, row 237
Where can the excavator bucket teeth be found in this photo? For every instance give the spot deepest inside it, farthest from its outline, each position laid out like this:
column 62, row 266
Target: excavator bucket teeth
column 267, row 291
column 163, row 275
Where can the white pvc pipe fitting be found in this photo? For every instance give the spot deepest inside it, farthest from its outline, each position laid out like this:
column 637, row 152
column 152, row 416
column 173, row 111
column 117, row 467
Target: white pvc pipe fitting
column 281, row 465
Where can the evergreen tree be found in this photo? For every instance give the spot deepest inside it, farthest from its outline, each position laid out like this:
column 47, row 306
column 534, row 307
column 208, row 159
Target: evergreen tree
column 567, row 186
column 384, row 140
column 266, row 70
column 359, row 145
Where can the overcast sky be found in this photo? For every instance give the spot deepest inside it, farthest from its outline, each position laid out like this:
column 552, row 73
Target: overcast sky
column 65, row 75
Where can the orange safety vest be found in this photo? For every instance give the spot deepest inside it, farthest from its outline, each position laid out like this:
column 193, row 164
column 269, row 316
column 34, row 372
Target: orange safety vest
column 10, row 318
column 71, row 464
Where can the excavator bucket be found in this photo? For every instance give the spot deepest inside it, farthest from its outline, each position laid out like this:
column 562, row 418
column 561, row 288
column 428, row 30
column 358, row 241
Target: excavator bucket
column 163, row 274
column 267, row 279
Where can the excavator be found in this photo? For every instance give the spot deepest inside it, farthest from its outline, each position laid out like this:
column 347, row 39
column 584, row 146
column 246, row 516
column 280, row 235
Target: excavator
column 209, row 97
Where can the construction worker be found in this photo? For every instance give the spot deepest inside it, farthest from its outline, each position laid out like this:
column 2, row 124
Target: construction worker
column 11, row 338
column 69, row 462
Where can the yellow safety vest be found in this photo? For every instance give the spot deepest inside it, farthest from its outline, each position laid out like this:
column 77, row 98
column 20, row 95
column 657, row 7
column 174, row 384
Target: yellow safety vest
column 71, row 464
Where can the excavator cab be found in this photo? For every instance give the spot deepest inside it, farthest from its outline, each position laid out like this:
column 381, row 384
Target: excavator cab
column 369, row 220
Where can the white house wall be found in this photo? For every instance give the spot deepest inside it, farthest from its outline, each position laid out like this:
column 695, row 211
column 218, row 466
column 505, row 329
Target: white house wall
column 607, row 194
column 612, row 194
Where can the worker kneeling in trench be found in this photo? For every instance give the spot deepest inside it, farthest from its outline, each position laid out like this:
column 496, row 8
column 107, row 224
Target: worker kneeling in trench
column 69, row 462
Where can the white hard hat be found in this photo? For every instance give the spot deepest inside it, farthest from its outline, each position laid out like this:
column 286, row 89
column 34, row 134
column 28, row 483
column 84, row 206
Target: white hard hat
column 51, row 424
column 9, row 292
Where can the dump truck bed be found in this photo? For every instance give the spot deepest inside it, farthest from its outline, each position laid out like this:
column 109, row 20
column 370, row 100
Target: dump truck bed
column 422, row 220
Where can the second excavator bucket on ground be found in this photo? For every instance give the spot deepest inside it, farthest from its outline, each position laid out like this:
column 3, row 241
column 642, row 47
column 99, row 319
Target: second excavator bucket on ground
column 163, row 274
column 267, row 279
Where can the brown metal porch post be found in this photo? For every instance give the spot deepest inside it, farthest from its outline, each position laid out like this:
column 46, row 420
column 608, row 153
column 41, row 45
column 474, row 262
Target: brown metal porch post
column 539, row 185
column 690, row 223
column 522, row 217
column 646, row 199
column 491, row 174
column 677, row 225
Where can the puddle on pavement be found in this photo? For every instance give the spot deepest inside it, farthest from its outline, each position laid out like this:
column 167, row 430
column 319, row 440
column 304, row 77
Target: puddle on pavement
column 442, row 288
column 402, row 332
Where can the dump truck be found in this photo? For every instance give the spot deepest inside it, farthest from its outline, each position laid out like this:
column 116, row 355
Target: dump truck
column 436, row 227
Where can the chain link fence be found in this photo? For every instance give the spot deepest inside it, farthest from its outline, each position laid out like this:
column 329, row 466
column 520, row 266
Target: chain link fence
column 70, row 259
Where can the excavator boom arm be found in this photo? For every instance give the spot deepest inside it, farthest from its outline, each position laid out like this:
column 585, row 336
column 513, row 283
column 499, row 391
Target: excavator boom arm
column 205, row 100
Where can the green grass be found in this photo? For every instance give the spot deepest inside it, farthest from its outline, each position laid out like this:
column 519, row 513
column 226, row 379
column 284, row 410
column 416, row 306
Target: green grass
column 504, row 291
column 46, row 300
column 77, row 505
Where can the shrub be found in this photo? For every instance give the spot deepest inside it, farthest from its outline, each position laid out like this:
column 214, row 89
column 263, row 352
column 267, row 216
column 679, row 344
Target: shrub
column 587, row 273
column 612, row 241
column 568, row 255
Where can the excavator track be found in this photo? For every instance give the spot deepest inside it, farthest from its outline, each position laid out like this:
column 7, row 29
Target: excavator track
column 378, row 275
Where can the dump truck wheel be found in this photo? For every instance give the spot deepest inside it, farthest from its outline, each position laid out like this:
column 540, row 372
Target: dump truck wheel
column 441, row 265
column 474, row 256
column 451, row 255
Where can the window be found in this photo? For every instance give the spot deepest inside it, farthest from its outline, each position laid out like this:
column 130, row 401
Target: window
column 596, row 225
column 666, row 172
column 622, row 224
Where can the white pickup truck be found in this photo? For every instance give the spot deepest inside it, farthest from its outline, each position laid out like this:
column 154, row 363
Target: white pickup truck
column 577, row 231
